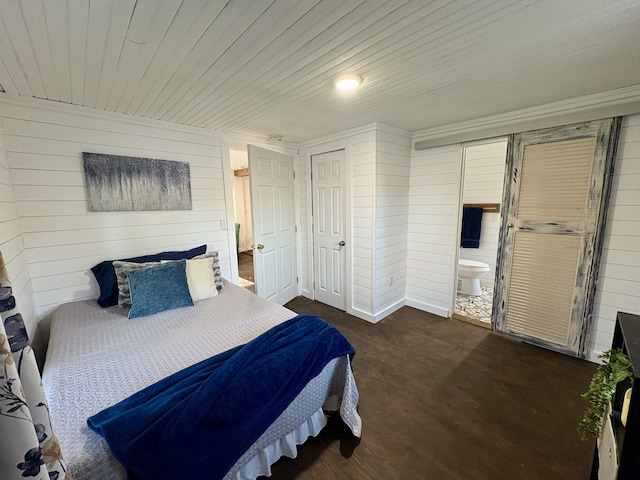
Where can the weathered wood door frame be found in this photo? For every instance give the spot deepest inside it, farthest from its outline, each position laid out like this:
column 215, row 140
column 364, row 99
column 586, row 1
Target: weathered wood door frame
column 606, row 132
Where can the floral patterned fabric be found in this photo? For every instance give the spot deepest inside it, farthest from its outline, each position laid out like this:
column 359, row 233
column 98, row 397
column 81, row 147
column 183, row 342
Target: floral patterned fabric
column 28, row 446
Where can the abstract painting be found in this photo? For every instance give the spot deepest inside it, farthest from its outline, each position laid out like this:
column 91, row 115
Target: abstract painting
column 118, row 184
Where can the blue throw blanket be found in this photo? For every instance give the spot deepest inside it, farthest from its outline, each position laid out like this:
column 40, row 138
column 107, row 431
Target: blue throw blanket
column 197, row 422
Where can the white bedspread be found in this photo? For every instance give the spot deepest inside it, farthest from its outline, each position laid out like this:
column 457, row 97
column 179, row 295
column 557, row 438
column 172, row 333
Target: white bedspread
column 98, row 357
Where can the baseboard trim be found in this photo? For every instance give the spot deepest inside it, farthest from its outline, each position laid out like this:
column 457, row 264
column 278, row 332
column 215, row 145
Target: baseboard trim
column 306, row 293
column 389, row 310
column 362, row 315
column 427, row 307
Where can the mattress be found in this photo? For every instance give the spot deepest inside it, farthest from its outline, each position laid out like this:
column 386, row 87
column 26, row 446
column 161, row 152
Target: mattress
column 97, row 357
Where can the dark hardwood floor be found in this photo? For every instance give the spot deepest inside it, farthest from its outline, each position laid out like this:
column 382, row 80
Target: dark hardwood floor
column 441, row 399
column 245, row 268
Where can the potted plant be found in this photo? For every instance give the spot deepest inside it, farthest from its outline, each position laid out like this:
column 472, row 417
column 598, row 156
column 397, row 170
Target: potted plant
column 616, row 368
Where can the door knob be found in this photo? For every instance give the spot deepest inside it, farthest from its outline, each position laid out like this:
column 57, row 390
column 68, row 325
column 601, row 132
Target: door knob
column 510, row 225
column 341, row 243
column 260, row 246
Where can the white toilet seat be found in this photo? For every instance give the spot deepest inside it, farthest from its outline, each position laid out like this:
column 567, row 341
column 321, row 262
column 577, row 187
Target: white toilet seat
column 473, row 265
column 469, row 273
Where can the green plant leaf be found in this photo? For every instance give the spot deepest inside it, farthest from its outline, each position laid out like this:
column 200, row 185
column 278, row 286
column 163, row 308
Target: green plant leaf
column 616, row 368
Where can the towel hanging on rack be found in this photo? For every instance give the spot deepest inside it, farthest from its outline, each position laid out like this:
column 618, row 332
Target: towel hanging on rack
column 471, row 227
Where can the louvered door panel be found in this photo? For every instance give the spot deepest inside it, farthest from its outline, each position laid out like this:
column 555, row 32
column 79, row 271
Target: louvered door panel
column 556, row 192
column 555, row 180
column 550, row 286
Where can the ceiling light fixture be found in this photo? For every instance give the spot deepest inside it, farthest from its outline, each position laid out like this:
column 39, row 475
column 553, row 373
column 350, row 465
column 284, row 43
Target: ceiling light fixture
column 348, row 81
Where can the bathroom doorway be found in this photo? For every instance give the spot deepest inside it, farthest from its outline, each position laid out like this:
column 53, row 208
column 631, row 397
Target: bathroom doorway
column 483, row 165
column 242, row 216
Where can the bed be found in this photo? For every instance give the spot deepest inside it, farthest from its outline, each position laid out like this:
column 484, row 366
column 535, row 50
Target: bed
column 98, row 357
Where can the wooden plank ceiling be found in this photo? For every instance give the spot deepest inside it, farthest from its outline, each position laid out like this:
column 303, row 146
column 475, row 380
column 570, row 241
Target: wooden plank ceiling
column 266, row 67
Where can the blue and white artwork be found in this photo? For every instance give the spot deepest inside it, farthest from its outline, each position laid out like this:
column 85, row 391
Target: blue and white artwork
column 118, row 184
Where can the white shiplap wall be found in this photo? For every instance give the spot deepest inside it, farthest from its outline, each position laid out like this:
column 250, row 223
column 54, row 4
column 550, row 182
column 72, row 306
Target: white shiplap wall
column 483, row 183
column 434, row 191
column 360, row 164
column 363, row 204
column 62, row 240
column 11, row 244
column 619, row 280
column 304, row 226
column 393, row 158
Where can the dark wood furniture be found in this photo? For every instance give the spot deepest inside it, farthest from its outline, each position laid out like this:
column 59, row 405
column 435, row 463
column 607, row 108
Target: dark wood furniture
column 625, row 446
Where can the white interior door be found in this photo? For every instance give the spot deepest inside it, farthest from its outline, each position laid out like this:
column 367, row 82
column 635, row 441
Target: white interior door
column 329, row 237
column 274, row 238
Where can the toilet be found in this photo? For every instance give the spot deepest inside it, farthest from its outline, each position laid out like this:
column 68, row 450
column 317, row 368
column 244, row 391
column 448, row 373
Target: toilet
column 469, row 273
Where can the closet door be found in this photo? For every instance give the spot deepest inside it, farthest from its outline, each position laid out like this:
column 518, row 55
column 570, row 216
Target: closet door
column 556, row 195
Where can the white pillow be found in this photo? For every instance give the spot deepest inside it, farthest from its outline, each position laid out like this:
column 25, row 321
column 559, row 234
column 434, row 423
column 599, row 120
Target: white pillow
column 200, row 278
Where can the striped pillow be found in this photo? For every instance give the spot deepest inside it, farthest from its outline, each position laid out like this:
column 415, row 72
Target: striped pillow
column 124, row 291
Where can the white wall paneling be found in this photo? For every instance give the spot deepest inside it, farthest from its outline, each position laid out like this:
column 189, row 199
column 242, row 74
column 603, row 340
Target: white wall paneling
column 305, row 236
column 393, row 158
column 403, row 204
column 484, row 164
column 434, row 199
column 62, row 240
column 363, row 201
column 11, row 244
column 619, row 281
column 377, row 157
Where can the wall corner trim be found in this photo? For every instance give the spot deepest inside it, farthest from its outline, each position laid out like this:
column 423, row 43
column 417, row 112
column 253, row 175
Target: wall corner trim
column 362, row 315
column 384, row 313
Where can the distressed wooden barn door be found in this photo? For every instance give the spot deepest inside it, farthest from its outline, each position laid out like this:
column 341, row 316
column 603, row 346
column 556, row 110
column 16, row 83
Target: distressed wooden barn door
column 555, row 202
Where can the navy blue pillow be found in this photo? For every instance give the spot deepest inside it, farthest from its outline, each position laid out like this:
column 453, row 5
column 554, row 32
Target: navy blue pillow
column 159, row 288
column 106, row 275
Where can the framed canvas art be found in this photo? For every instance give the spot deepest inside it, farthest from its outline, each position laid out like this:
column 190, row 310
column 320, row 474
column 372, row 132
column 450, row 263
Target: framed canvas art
column 118, row 183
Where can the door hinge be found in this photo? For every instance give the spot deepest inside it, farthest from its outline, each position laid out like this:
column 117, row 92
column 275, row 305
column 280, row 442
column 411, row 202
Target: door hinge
column 295, row 228
column 294, row 174
column 297, row 280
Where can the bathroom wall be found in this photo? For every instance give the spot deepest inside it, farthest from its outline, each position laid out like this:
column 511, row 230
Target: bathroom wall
column 483, row 183
column 241, row 199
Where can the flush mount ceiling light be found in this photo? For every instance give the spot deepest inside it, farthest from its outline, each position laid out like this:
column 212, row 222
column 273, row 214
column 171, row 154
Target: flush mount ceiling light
column 348, row 81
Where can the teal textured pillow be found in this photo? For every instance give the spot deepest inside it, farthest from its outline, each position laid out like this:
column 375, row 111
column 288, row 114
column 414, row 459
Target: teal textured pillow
column 159, row 288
